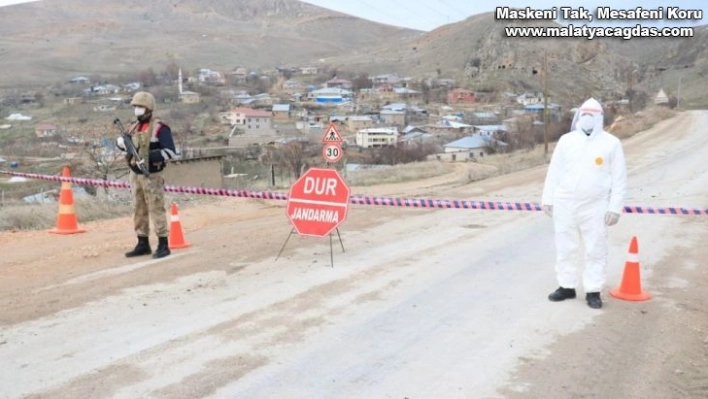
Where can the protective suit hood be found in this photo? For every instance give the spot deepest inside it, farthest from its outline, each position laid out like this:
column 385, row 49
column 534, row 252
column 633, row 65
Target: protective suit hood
column 590, row 108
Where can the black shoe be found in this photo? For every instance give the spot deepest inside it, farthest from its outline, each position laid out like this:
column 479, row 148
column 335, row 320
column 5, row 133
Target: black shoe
column 143, row 248
column 593, row 299
column 561, row 294
column 163, row 248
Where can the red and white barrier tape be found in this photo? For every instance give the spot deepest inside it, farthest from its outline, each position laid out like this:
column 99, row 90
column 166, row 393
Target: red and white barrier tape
column 359, row 199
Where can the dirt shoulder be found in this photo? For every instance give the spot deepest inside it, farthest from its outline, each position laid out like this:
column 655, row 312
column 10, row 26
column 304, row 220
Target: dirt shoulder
column 651, row 349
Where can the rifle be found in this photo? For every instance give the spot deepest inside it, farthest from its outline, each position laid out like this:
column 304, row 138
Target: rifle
column 130, row 148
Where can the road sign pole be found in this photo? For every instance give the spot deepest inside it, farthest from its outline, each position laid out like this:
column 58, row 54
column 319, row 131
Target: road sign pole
column 340, row 240
column 284, row 244
column 331, row 250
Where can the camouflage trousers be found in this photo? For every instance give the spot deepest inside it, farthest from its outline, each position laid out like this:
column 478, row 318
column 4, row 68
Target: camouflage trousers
column 149, row 203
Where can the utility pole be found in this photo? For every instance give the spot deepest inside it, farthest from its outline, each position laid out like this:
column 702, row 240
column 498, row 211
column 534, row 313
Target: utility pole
column 545, row 103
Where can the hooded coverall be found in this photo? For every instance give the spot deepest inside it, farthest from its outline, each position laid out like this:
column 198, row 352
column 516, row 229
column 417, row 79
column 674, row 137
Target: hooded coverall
column 586, row 179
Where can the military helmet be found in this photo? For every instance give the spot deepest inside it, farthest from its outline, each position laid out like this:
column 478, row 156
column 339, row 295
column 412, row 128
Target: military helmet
column 144, row 99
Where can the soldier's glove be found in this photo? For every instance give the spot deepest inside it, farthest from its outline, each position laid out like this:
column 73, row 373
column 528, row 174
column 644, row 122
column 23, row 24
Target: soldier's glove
column 548, row 210
column 120, row 143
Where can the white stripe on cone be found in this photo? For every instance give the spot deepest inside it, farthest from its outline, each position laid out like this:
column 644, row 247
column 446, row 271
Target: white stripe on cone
column 634, row 258
column 174, row 218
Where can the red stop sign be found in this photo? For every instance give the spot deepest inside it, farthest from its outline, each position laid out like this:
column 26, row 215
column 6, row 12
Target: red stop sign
column 318, row 202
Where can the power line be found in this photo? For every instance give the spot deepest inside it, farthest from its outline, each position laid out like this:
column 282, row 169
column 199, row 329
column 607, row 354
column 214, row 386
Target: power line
column 426, row 5
column 378, row 10
column 454, row 8
column 409, row 9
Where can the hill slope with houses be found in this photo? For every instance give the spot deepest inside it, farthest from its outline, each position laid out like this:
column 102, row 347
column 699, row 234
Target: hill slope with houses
column 478, row 52
column 48, row 41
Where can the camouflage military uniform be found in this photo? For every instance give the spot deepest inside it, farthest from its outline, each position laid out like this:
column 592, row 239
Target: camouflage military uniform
column 149, row 202
column 153, row 140
column 149, row 193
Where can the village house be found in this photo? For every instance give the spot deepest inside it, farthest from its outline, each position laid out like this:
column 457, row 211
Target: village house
column 471, row 147
column 80, row 80
column 447, row 126
column 237, row 76
column 460, row 96
column 189, row 97
column 208, row 76
column 554, row 111
column 447, row 82
column 104, row 108
column 490, row 130
column 105, row 89
column 413, row 135
column 253, row 122
column 340, row 83
column 376, row 137
column 396, row 118
column 333, row 95
column 309, row 70
column 281, row 112
column 291, row 85
column 395, row 107
column 405, row 93
column 46, row 130
column 358, row 122
column 242, row 98
column 385, row 79
column 529, row 99
column 484, row 118
column 262, row 99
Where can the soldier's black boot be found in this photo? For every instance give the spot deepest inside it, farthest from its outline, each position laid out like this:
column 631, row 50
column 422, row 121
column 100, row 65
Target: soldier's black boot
column 163, row 248
column 143, row 248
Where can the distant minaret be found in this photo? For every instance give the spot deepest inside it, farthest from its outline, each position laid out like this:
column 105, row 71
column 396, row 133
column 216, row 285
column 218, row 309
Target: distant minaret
column 179, row 81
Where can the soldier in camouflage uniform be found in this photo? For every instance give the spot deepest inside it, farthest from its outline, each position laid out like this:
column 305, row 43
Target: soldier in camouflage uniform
column 153, row 140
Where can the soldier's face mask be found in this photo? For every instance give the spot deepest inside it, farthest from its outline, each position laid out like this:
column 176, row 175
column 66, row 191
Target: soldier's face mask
column 139, row 111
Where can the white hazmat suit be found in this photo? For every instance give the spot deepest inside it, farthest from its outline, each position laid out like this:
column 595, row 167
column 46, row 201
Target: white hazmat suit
column 584, row 192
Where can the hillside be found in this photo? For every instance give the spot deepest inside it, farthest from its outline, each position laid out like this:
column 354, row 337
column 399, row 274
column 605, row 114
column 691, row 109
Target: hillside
column 50, row 41
column 477, row 52
column 664, row 61
column 54, row 40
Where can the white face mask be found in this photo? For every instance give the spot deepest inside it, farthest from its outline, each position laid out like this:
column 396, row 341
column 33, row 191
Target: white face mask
column 139, row 111
column 586, row 122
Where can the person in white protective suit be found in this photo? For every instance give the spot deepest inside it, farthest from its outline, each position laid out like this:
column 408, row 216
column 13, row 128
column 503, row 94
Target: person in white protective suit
column 584, row 194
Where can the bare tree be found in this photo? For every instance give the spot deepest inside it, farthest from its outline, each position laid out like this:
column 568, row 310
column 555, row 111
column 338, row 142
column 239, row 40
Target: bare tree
column 293, row 155
column 102, row 156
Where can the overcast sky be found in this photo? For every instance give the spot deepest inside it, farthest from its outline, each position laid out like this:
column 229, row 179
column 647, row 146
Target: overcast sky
column 429, row 14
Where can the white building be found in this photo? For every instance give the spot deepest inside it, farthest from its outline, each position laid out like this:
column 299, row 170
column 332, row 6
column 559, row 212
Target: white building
column 376, row 137
column 252, row 121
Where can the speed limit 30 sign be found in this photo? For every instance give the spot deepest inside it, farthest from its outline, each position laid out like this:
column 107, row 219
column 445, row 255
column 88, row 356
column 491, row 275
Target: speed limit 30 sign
column 332, row 152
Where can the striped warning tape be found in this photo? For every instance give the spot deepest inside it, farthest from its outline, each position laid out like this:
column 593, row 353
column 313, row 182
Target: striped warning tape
column 359, row 199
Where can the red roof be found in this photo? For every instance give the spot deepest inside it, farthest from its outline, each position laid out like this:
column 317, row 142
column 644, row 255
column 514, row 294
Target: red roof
column 253, row 113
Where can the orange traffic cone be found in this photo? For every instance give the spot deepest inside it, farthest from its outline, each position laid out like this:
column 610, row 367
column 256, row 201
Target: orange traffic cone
column 631, row 287
column 66, row 219
column 176, row 234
